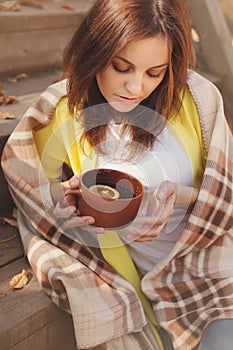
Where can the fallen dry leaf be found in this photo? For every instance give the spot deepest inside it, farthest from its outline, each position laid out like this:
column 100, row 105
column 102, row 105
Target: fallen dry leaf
column 67, row 6
column 6, row 115
column 9, row 100
column 12, row 222
column 2, row 295
column 17, row 78
column 10, row 5
column 19, row 281
column 6, row 100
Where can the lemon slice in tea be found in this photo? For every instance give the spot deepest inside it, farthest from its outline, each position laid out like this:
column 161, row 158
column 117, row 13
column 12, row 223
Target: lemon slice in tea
column 105, row 191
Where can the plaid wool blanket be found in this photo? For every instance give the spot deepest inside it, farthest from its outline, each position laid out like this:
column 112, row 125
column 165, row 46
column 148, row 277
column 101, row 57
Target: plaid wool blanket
column 189, row 288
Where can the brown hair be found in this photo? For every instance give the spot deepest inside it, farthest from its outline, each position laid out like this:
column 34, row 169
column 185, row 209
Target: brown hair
column 106, row 29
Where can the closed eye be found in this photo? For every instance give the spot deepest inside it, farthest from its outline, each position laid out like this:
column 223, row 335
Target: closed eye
column 120, row 70
column 155, row 75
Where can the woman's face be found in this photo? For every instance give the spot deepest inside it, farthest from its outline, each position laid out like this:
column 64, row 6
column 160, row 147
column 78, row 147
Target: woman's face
column 134, row 73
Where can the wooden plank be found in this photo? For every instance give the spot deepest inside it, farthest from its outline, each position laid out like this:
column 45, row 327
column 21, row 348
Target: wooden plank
column 28, row 316
column 57, row 335
column 11, row 247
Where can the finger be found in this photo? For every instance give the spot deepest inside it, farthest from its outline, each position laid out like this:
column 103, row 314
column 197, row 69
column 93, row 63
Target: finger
column 140, row 235
column 78, row 221
column 153, row 205
column 165, row 190
column 161, row 215
column 163, row 211
column 158, row 219
column 69, row 200
column 94, row 230
column 85, row 223
column 74, row 181
column 63, row 213
column 144, row 238
column 143, row 231
column 160, row 202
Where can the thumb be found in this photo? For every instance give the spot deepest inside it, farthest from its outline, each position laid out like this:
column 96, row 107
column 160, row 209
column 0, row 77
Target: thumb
column 165, row 190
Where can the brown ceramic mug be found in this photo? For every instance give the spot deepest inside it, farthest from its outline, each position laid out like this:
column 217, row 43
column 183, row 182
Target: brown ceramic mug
column 109, row 212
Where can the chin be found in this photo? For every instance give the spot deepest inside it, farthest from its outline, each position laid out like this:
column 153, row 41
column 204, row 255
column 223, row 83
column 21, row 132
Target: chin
column 123, row 107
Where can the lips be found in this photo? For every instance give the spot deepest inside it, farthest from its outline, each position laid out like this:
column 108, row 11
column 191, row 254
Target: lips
column 125, row 99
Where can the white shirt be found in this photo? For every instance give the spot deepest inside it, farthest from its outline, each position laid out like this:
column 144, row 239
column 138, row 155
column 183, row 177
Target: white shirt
column 166, row 161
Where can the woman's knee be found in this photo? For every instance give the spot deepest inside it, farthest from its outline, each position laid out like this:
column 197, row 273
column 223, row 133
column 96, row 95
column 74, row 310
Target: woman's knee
column 217, row 336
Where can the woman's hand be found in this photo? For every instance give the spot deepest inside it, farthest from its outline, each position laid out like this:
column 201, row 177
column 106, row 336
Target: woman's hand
column 66, row 208
column 167, row 196
column 160, row 209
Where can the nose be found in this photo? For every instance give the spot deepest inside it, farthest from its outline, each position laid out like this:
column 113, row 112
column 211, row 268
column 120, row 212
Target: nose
column 134, row 84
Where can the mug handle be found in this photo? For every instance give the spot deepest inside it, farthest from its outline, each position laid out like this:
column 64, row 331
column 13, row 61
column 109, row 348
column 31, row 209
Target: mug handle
column 71, row 196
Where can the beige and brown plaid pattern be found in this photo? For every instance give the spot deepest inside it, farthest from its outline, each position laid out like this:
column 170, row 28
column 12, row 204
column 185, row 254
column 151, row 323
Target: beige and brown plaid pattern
column 191, row 287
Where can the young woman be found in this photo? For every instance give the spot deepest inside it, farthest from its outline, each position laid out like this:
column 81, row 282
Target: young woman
column 131, row 101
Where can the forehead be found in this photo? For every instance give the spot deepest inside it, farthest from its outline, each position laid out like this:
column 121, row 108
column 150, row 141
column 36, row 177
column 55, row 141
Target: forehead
column 151, row 52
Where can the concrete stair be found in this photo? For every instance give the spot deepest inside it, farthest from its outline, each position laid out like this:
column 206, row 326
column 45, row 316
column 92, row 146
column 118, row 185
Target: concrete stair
column 28, row 318
column 33, row 39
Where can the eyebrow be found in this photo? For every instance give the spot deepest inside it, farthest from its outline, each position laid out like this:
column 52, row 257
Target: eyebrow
column 126, row 61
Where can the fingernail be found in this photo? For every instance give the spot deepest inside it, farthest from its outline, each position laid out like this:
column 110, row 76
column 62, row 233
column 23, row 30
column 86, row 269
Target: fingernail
column 89, row 220
column 160, row 195
column 72, row 210
column 134, row 231
column 100, row 230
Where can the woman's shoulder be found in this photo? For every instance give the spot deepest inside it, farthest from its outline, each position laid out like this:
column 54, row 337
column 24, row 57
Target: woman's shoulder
column 205, row 94
column 55, row 92
column 208, row 101
column 58, row 87
column 48, row 100
column 199, row 83
column 45, row 106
